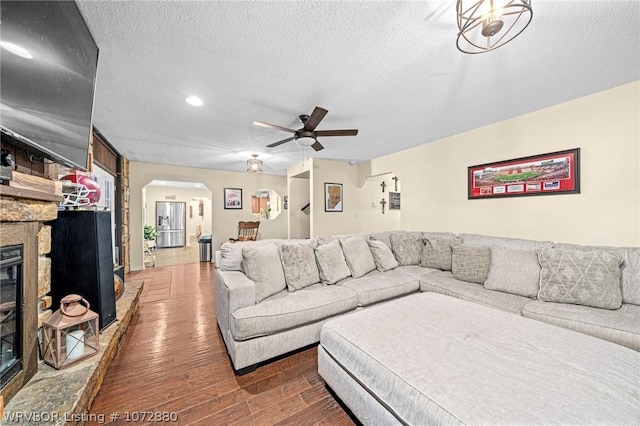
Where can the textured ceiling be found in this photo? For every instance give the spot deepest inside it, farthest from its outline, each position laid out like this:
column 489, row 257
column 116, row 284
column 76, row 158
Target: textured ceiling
column 390, row 69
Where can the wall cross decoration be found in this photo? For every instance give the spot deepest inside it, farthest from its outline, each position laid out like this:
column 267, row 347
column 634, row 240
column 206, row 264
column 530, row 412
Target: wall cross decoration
column 383, row 185
column 395, row 181
column 383, row 202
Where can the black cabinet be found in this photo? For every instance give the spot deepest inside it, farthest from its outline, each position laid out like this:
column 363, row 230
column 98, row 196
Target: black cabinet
column 82, row 260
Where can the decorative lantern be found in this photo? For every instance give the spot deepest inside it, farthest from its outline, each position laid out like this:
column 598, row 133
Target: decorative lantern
column 71, row 333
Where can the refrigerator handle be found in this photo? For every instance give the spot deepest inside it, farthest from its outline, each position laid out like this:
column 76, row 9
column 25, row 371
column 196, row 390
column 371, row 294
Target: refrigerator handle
column 159, row 220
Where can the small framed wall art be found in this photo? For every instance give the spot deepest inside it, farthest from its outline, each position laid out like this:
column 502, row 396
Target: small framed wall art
column 233, row 199
column 332, row 197
column 394, row 201
column 544, row 174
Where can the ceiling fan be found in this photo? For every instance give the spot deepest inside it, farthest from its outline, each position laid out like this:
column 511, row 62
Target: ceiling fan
column 307, row 135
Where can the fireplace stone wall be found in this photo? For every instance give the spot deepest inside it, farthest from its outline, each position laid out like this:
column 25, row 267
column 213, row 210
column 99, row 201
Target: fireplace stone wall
column 27, row 209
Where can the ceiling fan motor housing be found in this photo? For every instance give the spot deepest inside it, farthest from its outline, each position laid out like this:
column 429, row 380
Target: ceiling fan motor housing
column 305, row 138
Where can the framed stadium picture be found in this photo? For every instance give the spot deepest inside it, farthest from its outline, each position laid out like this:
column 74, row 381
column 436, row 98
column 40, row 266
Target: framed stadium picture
column 544, row 174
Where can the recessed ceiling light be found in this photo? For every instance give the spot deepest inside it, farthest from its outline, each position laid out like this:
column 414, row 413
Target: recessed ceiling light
column 194, row 100
column 16, row 50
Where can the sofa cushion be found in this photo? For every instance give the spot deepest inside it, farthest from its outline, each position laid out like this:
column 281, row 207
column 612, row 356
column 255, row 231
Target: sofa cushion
column 443, row 282
column 385, row 236
column 378, row 286
column 436, row 253
column 581, row 278
column 289, row 310
column 299, row 265
column 438, row 234
column 331, row 262
column 382, row 256
column 621, row 326
column 416, row 271
column 470, row 263
column 407, row 248
column 324, row 239
column 630, row 268
column 488, row 240
column 358, row 256
column 263, row 266
column 514, row 271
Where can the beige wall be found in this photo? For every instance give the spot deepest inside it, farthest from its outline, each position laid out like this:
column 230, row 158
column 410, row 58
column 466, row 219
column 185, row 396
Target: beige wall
column 605, row 126
column 329, row 223
column 371, row 215
column 433, row 182
column 224, row 222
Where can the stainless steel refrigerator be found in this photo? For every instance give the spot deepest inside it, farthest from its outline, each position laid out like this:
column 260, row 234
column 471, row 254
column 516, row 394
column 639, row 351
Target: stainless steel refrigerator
column 170, row 219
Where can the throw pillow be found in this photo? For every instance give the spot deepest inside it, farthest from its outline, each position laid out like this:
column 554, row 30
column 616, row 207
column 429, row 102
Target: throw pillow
column 331, row 263
column 262, row 265
column 580, row 278
column 470, row 263
column 299, row 265
column 358, row 256
column 436, row 253
column 384, row 236
column 407, row 248
column 514, row 271
column 382, row 255
column 230, row 257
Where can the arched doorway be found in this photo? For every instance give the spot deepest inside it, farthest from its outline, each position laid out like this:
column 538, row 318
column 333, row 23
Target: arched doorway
column 192, row 202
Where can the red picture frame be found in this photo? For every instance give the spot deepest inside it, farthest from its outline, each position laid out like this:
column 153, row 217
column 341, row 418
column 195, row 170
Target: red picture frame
column 544, row 174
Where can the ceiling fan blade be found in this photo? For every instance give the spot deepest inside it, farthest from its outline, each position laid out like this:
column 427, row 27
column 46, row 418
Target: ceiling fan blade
column 346, row 132
column 317, row 146
column 273, row 126
column 314, row 119
column 273, row 145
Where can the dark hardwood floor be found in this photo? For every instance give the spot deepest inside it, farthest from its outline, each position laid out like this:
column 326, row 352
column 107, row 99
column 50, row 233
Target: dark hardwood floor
column 173, row 360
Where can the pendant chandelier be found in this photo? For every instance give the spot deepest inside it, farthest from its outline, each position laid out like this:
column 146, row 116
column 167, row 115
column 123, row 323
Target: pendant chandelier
column 254, row 165
column 485, row 25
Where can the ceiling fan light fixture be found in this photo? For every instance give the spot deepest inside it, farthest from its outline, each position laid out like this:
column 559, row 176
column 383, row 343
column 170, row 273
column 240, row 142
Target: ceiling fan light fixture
column 303, row 138
column 485, row 25
column 254, row 165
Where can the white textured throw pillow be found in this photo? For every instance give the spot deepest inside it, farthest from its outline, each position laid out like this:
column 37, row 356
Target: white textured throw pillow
column 299, row 265
column 358, row 256
column 590, row 278
column 514, row 271
column 331, row 263
column 470, row 263
column 407, row 248
column 382, row 255
column 437, row 253
column 262, row 265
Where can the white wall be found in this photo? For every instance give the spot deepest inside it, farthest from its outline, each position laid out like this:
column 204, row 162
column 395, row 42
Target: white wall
column 605, row 126
column 225, row 222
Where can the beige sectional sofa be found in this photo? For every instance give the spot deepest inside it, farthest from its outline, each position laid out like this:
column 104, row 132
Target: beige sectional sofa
column 273, row 296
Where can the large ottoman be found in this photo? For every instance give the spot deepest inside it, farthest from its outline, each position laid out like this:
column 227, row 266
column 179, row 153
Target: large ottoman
column 433, row 359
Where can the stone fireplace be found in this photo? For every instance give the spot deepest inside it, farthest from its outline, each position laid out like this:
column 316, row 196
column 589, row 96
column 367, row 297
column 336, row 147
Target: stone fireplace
column 22, row 217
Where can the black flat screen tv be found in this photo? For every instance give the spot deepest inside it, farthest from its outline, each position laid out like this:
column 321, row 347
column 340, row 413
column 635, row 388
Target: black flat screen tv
column 48, row 64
